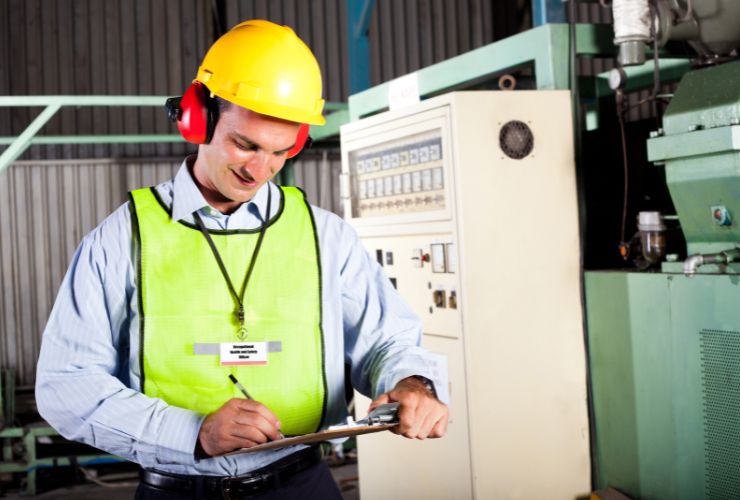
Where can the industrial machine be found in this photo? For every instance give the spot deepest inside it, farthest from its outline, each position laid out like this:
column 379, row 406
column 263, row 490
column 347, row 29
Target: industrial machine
column 468, row 200
column 665, row 342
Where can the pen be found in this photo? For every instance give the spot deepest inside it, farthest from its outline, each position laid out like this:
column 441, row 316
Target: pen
column 239, row 386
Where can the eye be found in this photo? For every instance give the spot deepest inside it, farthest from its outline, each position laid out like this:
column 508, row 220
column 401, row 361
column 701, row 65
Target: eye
column 245, row 147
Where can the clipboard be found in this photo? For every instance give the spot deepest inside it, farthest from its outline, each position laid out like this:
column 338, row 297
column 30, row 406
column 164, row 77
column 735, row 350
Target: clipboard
column 382, row 418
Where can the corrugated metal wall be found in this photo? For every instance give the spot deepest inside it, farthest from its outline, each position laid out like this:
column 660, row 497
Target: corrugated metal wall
column 45, row 210
column 411, row 34
column 46, row 207
column 318, row 175
column 83, row 47
column 404, row 35
column 319, row 23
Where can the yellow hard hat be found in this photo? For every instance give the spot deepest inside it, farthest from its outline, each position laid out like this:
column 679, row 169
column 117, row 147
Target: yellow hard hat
column 265, row 67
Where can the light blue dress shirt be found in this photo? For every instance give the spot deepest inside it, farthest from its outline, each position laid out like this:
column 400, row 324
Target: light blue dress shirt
column 87, row 382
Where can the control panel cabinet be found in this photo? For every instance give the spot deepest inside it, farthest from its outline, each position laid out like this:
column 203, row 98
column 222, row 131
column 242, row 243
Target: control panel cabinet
column 468, row 201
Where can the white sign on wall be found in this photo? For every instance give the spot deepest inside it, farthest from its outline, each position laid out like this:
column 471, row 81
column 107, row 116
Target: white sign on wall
column 403, row 91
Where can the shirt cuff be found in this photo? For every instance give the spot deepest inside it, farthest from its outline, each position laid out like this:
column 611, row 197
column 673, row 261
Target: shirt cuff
column 177, row 444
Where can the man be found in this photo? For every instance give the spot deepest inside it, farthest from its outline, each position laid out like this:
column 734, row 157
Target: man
column 221, row 274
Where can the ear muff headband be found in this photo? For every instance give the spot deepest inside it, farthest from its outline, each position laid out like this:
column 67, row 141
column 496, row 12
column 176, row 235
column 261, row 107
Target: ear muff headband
column 300, row 140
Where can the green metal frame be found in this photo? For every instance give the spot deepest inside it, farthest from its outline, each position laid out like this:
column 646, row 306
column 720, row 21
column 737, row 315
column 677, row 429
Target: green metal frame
column 546, row 46
column 31, row 463
column 52, row 104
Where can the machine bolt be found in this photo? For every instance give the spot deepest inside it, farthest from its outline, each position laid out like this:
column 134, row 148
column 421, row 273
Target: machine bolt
column 721, row 215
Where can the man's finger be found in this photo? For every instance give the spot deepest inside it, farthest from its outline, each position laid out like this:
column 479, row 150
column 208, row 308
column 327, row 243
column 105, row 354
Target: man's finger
column 408, row 419
column 238, row 442
column 381, row 400
column 248, row 433
column 256, row 421
column 257, row 407
column 440, row 429
column 429, row 423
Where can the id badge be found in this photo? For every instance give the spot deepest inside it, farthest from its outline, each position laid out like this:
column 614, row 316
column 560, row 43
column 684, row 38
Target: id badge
column 243, row 353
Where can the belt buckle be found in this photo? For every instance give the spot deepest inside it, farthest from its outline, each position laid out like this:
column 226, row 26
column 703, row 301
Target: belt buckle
column 230, row 484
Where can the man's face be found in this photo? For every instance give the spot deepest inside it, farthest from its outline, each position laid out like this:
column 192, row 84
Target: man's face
column 247, row 150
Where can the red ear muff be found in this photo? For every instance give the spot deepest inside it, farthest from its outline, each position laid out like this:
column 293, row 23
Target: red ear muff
column 195, row 117
column 300, row 140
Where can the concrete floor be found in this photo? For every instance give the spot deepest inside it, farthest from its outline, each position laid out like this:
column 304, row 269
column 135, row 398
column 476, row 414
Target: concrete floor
column 124, row 487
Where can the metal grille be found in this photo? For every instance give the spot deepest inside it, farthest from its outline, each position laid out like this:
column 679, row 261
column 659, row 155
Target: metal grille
column 516, row 139
column 720, row 367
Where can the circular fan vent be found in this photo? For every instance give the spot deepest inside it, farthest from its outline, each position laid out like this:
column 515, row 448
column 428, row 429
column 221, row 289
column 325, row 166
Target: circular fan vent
column 516, row 139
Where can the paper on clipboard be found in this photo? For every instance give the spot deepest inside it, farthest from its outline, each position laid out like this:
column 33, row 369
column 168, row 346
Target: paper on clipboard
column 380, row 419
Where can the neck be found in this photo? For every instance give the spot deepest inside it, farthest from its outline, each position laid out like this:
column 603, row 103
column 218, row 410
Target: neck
column 212, row 196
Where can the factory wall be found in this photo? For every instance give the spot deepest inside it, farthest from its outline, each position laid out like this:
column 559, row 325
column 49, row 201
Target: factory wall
column 46, row 207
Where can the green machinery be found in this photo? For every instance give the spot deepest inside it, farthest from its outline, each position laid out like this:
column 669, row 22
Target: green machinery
column 665, row 344
column 23, row 445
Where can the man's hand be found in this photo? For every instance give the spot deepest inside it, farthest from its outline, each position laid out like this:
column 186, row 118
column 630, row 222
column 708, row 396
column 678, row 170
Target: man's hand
column 239, row 423
column 420, row 414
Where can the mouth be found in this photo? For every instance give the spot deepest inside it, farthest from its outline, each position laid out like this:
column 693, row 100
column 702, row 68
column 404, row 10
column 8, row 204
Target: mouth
column 244, row 178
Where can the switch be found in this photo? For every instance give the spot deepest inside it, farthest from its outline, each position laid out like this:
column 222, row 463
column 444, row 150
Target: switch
column 452, row 301
column 379, row 256
column 450, row 258
column 389, row 258
column 439, row 298
column 394, row 283
column 438, row 257
column 416, row 257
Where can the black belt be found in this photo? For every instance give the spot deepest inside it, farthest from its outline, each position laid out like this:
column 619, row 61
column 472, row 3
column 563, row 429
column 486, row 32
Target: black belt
column 253, row 483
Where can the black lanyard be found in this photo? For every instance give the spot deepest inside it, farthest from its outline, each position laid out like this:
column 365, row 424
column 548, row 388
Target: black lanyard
column 239, row 298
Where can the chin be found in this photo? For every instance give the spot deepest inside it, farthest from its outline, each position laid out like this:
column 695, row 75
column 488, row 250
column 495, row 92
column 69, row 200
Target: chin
column 244, row 195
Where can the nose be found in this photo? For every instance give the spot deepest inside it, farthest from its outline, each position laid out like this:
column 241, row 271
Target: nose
column 259, row 159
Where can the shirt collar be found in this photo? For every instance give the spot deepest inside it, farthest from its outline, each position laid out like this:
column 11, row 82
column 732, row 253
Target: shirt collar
column 187, row 198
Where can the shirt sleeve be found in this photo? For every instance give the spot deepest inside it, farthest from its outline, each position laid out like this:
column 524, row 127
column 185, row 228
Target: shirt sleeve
column 382, row 333
column 83, row 386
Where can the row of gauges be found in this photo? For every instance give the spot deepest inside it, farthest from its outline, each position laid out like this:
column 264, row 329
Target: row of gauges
column 418, row 181
column 401, row 156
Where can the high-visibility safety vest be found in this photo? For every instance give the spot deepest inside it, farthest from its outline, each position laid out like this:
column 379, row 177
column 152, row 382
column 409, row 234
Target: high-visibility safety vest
column 184, row 300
